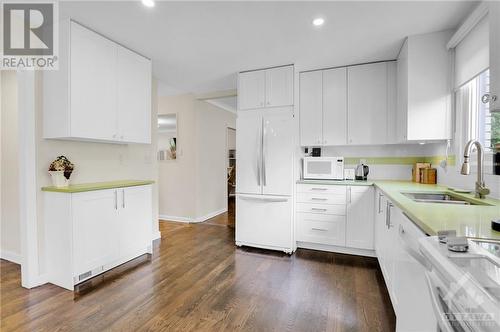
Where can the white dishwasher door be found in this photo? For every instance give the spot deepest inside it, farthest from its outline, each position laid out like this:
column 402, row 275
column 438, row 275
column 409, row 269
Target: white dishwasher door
column 264, row 222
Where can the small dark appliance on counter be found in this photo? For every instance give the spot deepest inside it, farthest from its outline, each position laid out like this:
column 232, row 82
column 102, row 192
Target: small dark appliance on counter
column 362, row 171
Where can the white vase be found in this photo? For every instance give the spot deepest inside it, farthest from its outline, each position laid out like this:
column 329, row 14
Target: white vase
column 58, row 179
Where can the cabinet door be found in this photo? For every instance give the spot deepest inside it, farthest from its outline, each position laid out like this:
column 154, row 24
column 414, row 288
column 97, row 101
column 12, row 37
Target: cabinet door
column 335, row 106
column 392, row 101
column 359, row 228
column 321, row 228
column 402, row 95
column 277, row 152
column 311, row 108
column 94, row 229
column 133, row 97
column 92, row 85
column 251, row 90
column 367, row 100
column 135, row 219
column 494, row 19
column 279, row 86
column 249, row 152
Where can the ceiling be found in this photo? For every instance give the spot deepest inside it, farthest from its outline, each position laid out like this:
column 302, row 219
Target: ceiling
column 200, row 46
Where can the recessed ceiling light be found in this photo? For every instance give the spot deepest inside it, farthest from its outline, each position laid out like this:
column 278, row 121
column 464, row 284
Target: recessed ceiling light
column 318, row 22
column 148, row 3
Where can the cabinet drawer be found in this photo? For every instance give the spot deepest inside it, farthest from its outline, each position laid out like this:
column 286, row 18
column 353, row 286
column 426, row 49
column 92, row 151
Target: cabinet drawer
column 321, row 198
column 338, row 210
column 321, row 188
column 323, row 229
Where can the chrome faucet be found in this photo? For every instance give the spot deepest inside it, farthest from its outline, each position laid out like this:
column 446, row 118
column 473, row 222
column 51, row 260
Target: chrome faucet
column 481, row 190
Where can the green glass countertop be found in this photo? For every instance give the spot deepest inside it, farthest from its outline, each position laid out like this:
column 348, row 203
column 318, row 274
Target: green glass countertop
column 473, row 221
column 78, row 188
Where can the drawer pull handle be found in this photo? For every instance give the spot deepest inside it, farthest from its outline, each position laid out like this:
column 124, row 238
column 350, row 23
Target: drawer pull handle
column 316, row 209
column 319, row 229
column 321, row 189
column 319, row 199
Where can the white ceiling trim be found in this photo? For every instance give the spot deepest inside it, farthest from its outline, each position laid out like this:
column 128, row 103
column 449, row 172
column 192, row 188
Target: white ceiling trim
column 225, row 107
column 472, row 20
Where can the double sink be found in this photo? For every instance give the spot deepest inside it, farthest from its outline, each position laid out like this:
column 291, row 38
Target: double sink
column 440, row 197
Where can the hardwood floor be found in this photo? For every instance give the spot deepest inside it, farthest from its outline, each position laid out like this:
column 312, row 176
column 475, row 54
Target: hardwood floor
column 198, row 281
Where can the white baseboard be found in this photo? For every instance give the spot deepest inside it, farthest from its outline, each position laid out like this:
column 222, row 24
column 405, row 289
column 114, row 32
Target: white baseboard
column 156, row 235
column 174, row 218
column 192, row 220
column 11, row 256
column 337, row 249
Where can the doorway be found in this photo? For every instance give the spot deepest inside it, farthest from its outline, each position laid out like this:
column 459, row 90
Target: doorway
column 231, row 175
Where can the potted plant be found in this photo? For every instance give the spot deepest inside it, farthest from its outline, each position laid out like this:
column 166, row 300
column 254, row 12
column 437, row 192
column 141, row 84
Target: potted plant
column 60, row 171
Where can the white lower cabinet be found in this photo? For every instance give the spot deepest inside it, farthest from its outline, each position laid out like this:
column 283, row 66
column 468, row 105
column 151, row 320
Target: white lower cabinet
column 359, row 228
column 396, row 236
column 335, row 215
column 90, row 232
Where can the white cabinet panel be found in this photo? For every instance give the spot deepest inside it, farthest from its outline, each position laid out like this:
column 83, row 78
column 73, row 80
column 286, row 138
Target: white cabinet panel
column 311, row 113
column 367, row 104
column 335, row 106
column 95, row 225
column 321, row 198
column 135, row 219
column 276, row 152
column 248, row 152
column 321, row 189
column 322, row 229
column 494, row 19
column 359, row 228
column 264, row 221
column 93, row 85
column 133, row 96
column 251, row 90
column 279, row 86
column 335, row 209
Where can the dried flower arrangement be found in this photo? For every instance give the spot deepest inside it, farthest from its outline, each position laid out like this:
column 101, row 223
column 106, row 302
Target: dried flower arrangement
column 62, row 163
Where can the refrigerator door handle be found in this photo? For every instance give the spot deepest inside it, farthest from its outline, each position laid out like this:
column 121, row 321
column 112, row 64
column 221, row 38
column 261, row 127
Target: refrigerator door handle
column 259, row 157
column 264, row 179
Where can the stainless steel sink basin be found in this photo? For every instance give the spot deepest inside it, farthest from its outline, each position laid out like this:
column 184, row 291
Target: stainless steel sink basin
column 443, row 198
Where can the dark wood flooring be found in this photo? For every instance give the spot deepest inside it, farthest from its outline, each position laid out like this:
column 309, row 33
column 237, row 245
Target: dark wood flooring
column 197, row 280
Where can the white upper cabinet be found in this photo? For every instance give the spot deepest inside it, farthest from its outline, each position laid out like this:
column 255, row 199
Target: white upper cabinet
column 494, row 19
column 424, row 97
column 101, row 92
column 367, row 104
column 92, row 85
column 279, row 86
column 335, row 106
column 265, row 88
column 252, row 90
column 311, row 108
column 133, row 96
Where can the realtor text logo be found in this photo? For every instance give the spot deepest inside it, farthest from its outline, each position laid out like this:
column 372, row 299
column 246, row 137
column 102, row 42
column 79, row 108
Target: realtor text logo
column 29, row 36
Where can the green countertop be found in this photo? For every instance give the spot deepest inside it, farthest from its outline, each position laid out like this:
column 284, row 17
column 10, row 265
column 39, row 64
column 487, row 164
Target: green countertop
column 78, row 188
column 473, row 221
column 337, row 182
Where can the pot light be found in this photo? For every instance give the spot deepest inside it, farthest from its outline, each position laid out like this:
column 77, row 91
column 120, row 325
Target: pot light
column 318, row 22
column 148, row 3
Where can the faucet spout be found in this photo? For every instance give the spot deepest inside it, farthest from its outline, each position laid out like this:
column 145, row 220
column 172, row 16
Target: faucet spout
column 481, row 189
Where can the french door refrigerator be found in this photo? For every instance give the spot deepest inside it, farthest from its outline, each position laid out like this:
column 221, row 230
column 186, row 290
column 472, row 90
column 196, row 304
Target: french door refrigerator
column 264, row 180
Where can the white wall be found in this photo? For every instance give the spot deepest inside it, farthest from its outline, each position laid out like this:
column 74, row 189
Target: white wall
column 10, row 247
column 94, row 162
column 176, row 178
column 212, row 123
column 193, row 187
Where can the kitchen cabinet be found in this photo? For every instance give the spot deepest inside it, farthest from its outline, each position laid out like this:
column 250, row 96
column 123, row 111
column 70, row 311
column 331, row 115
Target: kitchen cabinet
column 494, row 21
column 367, row 104
column 311, row 108
column 90, row 232
column 360, row 217
column 271, row 87
column 424, row 93
column 334, row 106
column 101, row 92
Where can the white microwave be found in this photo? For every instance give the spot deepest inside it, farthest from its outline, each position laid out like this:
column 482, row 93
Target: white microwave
column 323, row 168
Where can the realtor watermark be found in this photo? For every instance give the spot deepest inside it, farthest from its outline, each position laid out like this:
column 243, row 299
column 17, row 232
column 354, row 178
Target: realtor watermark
column 29, row 35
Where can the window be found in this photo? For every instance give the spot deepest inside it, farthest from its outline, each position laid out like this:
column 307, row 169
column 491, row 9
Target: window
column 479, row 123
